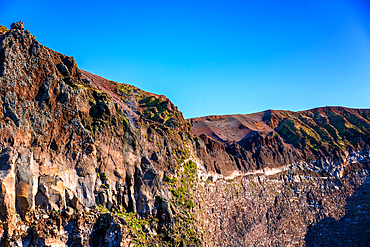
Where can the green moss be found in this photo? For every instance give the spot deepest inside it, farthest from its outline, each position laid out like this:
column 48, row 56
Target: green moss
column 125, row 89
column 155, row 108
column 3, row 29
column 190, row 167
column 182, row 199
column 137, row 227
column 171, row 181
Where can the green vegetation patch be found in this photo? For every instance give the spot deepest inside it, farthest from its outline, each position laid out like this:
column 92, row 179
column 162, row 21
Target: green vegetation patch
column 325, row 131
column 139, row 229
column 3, row 29
column 156, row 109
column 125, row 90
column 182, row 189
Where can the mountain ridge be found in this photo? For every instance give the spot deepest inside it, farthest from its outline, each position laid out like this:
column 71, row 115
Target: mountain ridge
column 315, row 134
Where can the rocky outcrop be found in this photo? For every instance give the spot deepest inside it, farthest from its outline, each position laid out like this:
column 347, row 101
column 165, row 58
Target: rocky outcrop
column 72, row 142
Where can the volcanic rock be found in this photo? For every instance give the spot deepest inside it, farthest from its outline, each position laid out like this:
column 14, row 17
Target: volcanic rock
column 85, row 161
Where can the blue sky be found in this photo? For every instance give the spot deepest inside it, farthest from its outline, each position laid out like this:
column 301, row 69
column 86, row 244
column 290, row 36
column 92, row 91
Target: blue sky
column 215, row 57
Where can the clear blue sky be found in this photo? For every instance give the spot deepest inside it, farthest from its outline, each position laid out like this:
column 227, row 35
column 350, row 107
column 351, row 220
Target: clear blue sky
column 215, row 57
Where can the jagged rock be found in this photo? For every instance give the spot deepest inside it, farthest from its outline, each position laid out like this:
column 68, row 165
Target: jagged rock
column 155, row 156
column 87, row 81
column 109, row 232
column 63, row 69
column 17, row 25
column 27, row 173
column 51, row 193
column 72, row 200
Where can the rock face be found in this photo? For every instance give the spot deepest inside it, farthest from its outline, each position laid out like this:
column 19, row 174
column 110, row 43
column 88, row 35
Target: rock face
column 71, row 142
column 89, row 162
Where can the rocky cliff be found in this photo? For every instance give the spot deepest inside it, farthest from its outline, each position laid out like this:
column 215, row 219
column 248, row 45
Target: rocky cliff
column 76, row 147
column 89, row 162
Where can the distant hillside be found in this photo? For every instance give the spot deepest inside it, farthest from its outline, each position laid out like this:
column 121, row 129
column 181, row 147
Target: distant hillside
column 276, row 138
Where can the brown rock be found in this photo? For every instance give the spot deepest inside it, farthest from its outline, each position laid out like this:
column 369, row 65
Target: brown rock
column 17, row 25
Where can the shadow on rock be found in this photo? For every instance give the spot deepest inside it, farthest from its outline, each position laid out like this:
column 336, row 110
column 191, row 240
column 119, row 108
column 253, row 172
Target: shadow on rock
column 351, row 230
column 107, row 231
column 4, row 162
